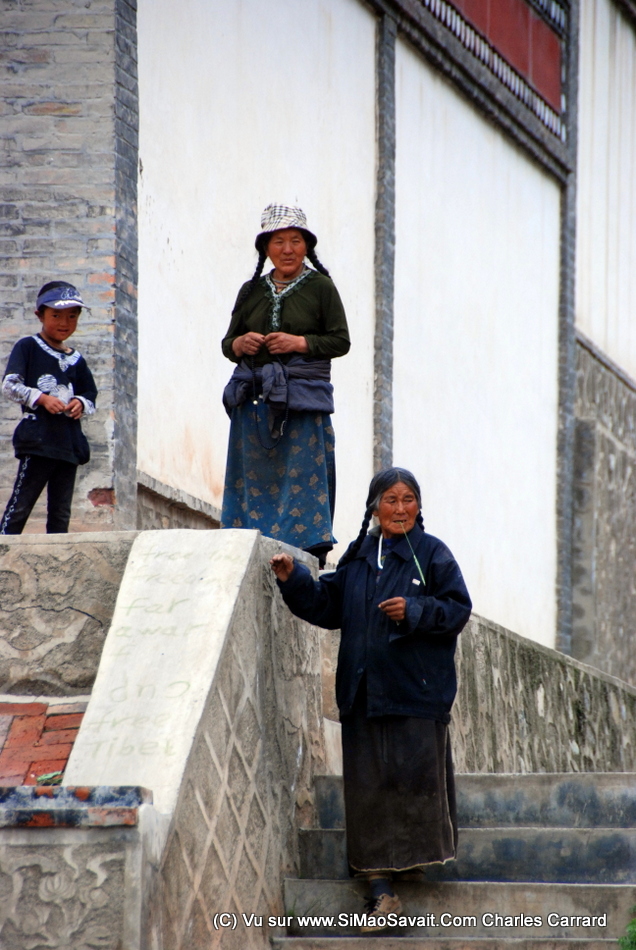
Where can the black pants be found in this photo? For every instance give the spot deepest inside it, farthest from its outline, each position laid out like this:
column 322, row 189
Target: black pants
column 34, row 472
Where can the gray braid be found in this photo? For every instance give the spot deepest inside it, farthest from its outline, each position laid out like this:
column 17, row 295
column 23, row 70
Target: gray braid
column 354, row 547
column 313, row 257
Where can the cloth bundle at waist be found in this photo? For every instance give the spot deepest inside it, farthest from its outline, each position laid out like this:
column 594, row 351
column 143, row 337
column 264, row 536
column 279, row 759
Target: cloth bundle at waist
column 300, row 384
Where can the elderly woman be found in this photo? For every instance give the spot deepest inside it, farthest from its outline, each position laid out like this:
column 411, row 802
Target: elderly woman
column 286, row 328
column 400, row 601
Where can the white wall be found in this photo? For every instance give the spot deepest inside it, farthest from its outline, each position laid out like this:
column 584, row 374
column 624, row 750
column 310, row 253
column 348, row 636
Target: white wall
column 606, row 198
column 476, row 347
column 242, row 104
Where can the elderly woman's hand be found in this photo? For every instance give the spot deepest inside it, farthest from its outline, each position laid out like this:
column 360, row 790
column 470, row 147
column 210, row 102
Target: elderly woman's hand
column 286, row 343
column 282, row 566
column 248, row 345
column 394, row 608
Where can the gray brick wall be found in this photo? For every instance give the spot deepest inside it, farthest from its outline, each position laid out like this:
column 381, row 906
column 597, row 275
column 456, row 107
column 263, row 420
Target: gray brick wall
column 62, row 174
column 604, row 524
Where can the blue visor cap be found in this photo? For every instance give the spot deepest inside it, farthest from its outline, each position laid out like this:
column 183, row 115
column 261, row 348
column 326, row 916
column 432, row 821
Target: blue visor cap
column 60, row 297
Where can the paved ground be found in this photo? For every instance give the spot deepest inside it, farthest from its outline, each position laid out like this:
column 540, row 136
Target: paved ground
column 36, row 738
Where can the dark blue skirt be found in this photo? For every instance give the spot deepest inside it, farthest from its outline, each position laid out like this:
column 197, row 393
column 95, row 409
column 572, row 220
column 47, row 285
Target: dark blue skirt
column 287, row 492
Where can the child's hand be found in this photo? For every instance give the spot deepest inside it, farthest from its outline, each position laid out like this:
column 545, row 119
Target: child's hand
column 74, row 409
column 52, row 404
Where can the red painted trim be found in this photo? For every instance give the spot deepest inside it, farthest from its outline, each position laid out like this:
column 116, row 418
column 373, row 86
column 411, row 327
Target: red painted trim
column 523, row 39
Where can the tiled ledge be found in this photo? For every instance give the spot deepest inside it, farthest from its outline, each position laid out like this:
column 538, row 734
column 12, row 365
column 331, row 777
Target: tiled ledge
column 71, row 807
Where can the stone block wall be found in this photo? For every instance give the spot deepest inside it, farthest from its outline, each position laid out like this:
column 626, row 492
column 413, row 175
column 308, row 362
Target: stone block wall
column 58, row 594
column 604, row 535
column 249, row 778
column 67, row 210
column 160, row 506
column 522, row 707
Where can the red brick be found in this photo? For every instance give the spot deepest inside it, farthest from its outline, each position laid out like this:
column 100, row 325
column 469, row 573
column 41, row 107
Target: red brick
column 16, row 757
column 24, row 731
column 11, row 779
column 22, row 709
column 71, row 721
column 57, row 737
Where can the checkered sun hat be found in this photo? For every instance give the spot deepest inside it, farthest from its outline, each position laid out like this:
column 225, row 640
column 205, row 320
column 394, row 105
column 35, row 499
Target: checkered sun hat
column 276, row 217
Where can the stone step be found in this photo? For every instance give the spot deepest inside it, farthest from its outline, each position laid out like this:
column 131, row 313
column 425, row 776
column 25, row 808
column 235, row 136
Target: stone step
column 440, row 943
column 558, row 799
column 574, row 855
column 464, row 911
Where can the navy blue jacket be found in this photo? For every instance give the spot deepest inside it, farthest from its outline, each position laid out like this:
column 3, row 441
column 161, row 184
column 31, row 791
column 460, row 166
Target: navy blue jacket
column 410, row 666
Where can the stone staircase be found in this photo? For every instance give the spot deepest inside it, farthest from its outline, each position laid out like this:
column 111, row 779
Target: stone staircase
column 536, row 851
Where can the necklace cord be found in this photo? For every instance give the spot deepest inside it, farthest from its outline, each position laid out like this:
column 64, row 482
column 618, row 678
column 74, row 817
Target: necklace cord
column 417, row 563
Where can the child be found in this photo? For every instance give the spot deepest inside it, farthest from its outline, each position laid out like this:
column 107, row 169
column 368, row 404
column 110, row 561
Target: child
column 55, row 388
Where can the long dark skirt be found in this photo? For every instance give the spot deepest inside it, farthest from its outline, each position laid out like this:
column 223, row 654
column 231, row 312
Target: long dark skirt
column 399, row 791
column 287, row 492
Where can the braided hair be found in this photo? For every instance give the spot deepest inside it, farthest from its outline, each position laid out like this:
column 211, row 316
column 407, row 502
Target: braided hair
column 262, row 243
column 247, row 289
column 313, row 257
column 380, row 483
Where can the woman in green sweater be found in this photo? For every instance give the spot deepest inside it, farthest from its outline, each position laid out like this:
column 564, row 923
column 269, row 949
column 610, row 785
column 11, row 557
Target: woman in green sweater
column 286, row 328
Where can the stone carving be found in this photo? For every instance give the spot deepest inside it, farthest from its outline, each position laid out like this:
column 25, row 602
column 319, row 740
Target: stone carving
column 67, row 896
column 58, row 597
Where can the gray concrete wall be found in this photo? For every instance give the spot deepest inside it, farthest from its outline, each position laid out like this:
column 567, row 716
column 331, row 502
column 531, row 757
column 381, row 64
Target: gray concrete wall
column 67, row 201
column 249, row 779
column 57, row 596
column 208, row 693
column 604, row 537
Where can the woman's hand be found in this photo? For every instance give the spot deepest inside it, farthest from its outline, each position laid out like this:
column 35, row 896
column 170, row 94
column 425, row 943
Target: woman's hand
column 248, row 345
column 394, row 608
column 285, row 343
column 282, row 566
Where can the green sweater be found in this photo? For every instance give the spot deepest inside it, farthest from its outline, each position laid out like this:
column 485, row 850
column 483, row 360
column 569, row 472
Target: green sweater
column 314, row 310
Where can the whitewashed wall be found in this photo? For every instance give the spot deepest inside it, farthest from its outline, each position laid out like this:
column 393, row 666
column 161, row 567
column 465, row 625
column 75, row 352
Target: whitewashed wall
column 241, row 104
column 476, row 347
column 606, row 212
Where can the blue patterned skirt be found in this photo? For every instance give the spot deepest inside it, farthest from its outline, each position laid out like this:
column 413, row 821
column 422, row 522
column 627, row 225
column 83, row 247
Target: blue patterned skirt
column 287, row 492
